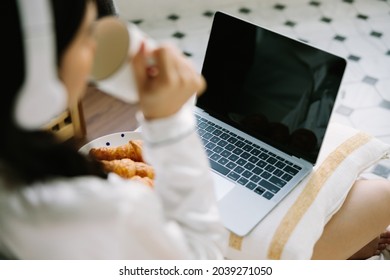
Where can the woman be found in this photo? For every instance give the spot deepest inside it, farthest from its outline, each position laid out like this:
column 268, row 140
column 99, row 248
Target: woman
column 55, row 204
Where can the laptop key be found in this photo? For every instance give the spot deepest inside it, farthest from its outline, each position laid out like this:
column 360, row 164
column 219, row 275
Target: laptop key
column 249, row 166
column 287, row 177
column 270, row 168
column 280, row 158
column 245, row 155
column 242, row 181
column 224, row 136
column 207, row 135
column 201, row 132
column 277, row 172
column 237, row 151
column 271, row 154
column 225, row 153
column 210, row 146
column 229, row 147
column 217, row 132
column 268, row 195
column 263, row 156
column 297, row 167
column 234, row 176
column 255, row 178
column 240, row 144
column 210, row 129
column 223, row 161
column 290, row 170
column 257, row 170
column 251, row 185
column 247, row 174
column 280, row 164
column 215, row 157
column 233, row 157
column 202, row 125
column 261, row 164
column 278, row 182
column 265, row 175
column 269, row 186
column 231, row 165
column 253, row 159
column 232, row 140
column 247, row 148
column 219, row 168
column 222, row 143
column 259, row 190
column 239, row 169
column 271, row 160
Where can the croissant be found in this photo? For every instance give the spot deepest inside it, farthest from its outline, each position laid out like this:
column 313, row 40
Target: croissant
column 131, row 150
column 144, row 180
column 128, row 168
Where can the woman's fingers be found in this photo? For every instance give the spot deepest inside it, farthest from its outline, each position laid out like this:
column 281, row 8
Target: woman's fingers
column 171, row 67
column 167, row 84
column 385, row 238
column 190, row 77
column 138, row 62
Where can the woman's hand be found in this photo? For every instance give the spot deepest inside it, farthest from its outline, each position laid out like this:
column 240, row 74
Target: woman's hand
column 167, row 84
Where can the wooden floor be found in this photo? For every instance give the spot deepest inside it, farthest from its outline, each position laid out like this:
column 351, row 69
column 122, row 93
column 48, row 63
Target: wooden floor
column 105, row 115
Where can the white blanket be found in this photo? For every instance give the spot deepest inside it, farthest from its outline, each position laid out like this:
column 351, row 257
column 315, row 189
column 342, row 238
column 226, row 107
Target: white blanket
column 291, row 230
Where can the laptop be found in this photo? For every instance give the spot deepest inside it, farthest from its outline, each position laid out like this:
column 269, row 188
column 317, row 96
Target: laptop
column 263, row 116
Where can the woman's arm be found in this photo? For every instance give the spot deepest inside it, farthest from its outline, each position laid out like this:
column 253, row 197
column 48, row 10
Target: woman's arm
column 185, row 185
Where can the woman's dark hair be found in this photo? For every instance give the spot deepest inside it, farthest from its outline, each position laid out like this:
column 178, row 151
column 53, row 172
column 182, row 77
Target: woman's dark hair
column 29, row 156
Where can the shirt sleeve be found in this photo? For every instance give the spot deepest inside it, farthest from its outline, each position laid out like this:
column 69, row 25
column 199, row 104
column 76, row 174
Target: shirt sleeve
column 184, row 184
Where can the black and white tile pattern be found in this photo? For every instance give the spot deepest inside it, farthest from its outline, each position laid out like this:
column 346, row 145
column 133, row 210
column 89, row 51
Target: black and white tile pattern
column 358, row 30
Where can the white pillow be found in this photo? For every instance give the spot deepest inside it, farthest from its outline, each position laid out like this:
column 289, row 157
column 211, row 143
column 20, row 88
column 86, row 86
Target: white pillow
column 291, row 230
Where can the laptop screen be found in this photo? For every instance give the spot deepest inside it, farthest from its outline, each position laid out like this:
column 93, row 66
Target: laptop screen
column 277, row 89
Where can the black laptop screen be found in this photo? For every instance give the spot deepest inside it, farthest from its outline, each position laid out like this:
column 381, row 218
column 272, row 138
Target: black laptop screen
column 277, row 89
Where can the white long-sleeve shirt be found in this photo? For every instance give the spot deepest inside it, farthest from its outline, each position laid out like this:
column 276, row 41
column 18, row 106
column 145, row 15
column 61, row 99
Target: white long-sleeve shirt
column 93, row 218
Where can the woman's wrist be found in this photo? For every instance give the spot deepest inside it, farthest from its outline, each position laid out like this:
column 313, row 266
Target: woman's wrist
column 164, row 130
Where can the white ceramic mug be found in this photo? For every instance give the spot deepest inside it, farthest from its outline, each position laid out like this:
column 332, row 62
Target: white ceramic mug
column 117, row 41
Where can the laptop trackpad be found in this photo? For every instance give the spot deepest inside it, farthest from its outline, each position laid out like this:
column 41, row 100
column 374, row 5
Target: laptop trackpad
column 241, row 210
column 221, row 186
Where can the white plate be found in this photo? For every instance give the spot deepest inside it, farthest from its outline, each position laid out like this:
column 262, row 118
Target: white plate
column 111, row 140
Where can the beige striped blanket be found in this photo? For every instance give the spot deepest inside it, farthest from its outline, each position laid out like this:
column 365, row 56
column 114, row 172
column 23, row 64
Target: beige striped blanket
column 291, row 230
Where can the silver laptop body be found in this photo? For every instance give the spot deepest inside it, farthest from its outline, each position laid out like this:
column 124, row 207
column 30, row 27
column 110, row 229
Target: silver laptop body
column 263, row 116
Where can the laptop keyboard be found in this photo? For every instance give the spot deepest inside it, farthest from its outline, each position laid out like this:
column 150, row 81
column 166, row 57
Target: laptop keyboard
column 243, row 161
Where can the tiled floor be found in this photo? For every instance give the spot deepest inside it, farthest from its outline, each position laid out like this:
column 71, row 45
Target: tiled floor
column 358, row 30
